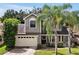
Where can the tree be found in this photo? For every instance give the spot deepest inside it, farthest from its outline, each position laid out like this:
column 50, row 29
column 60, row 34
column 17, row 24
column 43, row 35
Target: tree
column 52, row 16
column 10, row 30
column 76, row 15
column 72, row 21
column 21, row 14
column 45, row 18
column 35, row 10
column 57, row 18
column 10, row 13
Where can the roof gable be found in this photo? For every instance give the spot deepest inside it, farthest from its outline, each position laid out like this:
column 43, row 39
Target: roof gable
column 32, row 14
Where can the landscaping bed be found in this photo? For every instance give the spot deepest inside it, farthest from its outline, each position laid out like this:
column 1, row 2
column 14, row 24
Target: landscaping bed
column 3, row 49
column 61, row 51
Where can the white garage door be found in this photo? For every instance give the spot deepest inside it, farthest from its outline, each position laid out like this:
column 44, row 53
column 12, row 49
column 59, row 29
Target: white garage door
column 26, row 40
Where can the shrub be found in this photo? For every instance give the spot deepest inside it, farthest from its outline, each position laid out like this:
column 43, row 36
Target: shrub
column 51, row 45
column 60, row 45
column 39, row 46
column 10, row 30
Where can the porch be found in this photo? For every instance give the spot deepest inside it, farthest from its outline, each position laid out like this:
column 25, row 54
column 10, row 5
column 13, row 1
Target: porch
column 49, row 40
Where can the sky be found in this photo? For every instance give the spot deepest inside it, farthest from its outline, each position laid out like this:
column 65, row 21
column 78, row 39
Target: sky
column 29, row 6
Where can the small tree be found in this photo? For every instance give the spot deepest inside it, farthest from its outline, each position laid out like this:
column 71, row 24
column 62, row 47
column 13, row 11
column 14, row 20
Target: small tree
column 10, row 30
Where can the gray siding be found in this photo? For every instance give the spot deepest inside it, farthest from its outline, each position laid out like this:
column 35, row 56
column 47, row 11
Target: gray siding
column 31, row 30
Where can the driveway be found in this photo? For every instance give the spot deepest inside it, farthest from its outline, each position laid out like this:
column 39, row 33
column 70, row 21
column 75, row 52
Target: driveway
column 21, row 51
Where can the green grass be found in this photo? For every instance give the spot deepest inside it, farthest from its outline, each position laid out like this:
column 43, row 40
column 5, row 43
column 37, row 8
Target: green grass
column 3, row 49
column 64, row 51
column 61, row 51
column 75, row 51
column 44, row 52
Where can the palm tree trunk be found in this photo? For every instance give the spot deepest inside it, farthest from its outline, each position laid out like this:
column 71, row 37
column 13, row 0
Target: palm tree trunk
column 56, row 40
column 55, row 45
column 69, row 42
column 69, row 45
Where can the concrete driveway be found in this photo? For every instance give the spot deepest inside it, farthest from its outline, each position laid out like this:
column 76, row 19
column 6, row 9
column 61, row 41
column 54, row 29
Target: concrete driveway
column 21, row 51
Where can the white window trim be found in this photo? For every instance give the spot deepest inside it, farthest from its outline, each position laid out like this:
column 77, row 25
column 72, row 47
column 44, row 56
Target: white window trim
column 35, row 24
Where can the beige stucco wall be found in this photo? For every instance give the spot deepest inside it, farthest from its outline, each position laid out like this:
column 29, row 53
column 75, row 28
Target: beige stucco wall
column 1, row 28
column 31, row 30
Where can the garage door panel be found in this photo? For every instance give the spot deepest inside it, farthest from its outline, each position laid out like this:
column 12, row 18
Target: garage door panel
column 26, row 40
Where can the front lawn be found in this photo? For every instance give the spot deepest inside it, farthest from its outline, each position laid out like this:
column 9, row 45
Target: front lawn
column 3, row 49
column 44, row 52
column 75, row 51
column 61, row 51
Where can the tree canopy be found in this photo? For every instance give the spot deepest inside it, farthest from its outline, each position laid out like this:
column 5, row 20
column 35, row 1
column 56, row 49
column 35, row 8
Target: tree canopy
column 11, row 13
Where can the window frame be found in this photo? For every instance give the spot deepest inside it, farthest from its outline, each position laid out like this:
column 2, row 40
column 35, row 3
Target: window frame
column 35, row 24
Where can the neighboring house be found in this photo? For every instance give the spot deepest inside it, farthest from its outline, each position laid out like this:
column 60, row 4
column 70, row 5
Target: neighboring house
column 1, row 33
column 1, row 29
column 30, row 33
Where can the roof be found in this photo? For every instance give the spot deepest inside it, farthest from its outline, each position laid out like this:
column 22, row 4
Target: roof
column 29, row 16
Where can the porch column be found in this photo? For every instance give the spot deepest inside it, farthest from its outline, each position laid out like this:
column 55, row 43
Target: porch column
column 61, row 38
column 40, row 34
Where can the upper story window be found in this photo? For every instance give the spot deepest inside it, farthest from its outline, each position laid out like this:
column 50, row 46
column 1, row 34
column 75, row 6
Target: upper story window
column 32, row 24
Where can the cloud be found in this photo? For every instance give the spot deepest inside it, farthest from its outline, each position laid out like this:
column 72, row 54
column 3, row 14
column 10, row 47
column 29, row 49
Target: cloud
column 2, row 12
column 17, row 7
column 12, row 6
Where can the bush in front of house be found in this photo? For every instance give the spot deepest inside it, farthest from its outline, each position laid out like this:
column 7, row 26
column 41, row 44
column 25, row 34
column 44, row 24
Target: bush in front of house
column 39, row 46
column 51, row 45
column 10, row 30
column 60, row 45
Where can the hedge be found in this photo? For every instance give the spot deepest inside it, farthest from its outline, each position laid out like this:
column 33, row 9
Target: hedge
column 10, row 30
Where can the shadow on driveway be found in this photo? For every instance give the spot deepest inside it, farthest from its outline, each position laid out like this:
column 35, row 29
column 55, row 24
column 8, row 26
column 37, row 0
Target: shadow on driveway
column 18, row 50
column 21, row 51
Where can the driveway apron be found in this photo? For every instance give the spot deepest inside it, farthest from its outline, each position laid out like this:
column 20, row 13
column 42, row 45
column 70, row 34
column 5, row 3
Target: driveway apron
column 21, row 51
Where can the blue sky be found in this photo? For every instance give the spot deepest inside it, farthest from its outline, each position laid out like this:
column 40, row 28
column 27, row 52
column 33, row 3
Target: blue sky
column 29, row 6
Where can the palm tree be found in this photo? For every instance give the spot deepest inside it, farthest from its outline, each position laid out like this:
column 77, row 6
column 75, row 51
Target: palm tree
column 57, row 18
column 52, row 16
column 71, row 20
column 76, row 16
column 45, row 18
